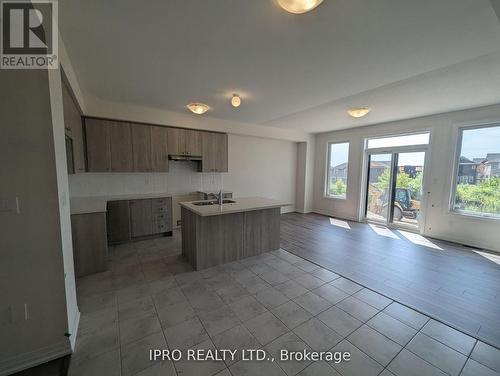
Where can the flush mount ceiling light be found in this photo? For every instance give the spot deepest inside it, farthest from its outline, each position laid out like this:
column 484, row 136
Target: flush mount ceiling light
column 299, row 6
column 358, row 112
column 236, row 100
column 198, row 108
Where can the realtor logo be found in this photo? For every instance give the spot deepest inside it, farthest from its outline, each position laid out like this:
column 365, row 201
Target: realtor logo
column 29, row 35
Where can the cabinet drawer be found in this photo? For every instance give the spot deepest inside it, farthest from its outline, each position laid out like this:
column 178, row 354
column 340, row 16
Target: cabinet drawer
column 161, row 201
column 163, row 226
column 160, row 209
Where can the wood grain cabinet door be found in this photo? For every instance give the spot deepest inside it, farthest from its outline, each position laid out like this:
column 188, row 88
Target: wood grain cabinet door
column 193, row 142
column 176, row 141
column 118, row 221
column 208, row 155
column 97, row 133
column 73, row 123
column 214, row 156
column 141, row 217
column 141, row 147
column 159, row 149
column 121, row 147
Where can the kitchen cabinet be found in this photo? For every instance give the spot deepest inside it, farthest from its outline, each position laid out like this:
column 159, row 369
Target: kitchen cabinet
column 73, row 129
column 118, row 221
column 120, row 137
column 141, row 147
column 141, row 218
column 214, row 152
column 90, row 247
column 97, row 134
column 184, row 142
column 159, row 149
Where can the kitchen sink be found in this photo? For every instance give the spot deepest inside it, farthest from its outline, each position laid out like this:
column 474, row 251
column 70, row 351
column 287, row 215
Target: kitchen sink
column 212, row 202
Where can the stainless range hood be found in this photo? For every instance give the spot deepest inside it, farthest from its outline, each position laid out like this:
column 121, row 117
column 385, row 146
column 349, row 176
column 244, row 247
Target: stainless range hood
column 184, row 157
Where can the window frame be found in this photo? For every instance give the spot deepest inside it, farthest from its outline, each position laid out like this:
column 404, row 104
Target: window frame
column 458, row 151
column 327, row 174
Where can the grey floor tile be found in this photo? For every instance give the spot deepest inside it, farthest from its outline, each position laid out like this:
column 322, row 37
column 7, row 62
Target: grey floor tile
column 255, row 284
column 359, row 364
column 291, row 271
column 237, row 338
column 205, row 302
column 437, row 354
column 346, row 285
column 392, row 328
column 317, row 335
column 261, row 268
column 291, row 314
column 312, row 303
column 374, row 344
column 266, row 327
column 200, row 367
column 135, row 355
column 372, row 298
column 274, row 277
column 97, row 321
column 473, row 368
column 256, row 368
column 290, row 342
column 306, row 265
column 97, row 302
column 107, row 363
column 325, row 275
column 162, row 284
column 186, row 334
column 406, row 315
column 96, row 343
column 386, row 372
column 355, row 307
column 449, row 336
column 247, row 308
column 319, row 369
column 330, row 293
column 159, row 369
column 175, row 314
column 133, row 293
column 291, row 289
column 218, row 321
column 408, row 364
column 309, row 281
column 135, row 308
column 487, row 355
column 168, row 297
column 271, row 297
column 139, row 327
column 340, row 321
column 224, row 372
column 232, row 293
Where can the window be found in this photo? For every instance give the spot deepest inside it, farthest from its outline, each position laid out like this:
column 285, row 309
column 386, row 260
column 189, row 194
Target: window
column 404, row 140
column 336, row 175
column 477, row 180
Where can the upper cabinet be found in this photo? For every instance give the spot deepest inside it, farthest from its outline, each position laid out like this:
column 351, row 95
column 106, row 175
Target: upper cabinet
column 184, row 142
column 117, row 146
column 214, row 155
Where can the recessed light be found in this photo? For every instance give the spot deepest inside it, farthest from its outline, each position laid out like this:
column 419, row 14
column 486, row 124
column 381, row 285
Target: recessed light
column 299, row 6
column 236, row 100
column 198, row 108
column 358, row 112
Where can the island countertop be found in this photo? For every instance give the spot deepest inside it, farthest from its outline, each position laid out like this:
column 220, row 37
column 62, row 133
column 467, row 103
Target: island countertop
column 242, row 204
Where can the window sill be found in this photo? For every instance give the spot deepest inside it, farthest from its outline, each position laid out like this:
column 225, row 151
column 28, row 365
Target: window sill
column 343, row 198
column 472, row 215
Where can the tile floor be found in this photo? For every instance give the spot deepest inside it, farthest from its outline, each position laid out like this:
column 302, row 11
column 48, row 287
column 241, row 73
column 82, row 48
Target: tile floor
column 151, row 298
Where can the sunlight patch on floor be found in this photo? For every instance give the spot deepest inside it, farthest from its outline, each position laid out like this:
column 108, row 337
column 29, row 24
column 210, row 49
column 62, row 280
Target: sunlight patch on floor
column 383, row 231
column 339, row 223
column 489, row 256
column 419, row 240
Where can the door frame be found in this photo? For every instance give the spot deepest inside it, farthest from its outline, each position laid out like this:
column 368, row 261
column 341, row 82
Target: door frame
column 425, row 192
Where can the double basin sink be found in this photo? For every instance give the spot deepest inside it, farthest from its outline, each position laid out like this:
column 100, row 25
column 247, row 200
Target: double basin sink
column 212, row 202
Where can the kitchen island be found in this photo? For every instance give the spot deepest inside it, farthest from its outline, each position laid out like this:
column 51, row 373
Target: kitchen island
column 215, row 234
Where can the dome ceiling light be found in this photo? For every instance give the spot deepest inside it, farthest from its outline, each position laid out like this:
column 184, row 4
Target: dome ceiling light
column 358, row 112
column 235, row 100
column 299, row 6
column 198, row 108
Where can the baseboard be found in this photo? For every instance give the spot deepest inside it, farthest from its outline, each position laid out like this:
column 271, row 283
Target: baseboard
column 331, row 214
column 287, row 209
column 478, row 245
column 34, row 358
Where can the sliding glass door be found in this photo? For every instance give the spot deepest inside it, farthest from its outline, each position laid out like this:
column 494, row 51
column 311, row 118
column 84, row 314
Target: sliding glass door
column 394, row 188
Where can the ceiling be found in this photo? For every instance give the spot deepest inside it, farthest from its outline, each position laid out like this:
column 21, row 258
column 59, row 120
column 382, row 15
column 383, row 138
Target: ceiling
column 403, row 58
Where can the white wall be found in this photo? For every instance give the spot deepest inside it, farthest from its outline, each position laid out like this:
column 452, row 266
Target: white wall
column 257, row 167
column 439, row 221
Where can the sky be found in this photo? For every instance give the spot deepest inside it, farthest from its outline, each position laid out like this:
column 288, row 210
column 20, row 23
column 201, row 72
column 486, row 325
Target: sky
column 476, row 143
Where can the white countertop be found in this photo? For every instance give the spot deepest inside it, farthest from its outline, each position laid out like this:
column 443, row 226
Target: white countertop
column 97, row 204
column 242, row 204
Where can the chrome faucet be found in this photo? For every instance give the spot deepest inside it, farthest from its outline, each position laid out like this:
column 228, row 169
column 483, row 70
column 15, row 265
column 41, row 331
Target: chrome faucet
column 219, row 197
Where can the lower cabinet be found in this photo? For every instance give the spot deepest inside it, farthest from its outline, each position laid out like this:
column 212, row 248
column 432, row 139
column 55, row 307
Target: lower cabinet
column 135, row 219
column 90, row 246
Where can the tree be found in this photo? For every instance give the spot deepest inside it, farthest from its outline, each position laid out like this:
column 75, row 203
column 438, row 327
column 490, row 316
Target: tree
column 403, row 180
column 337, row 188
column 483, row 197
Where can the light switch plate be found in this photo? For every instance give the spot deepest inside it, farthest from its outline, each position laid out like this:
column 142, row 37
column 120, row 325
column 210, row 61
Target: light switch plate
column 9, row 205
